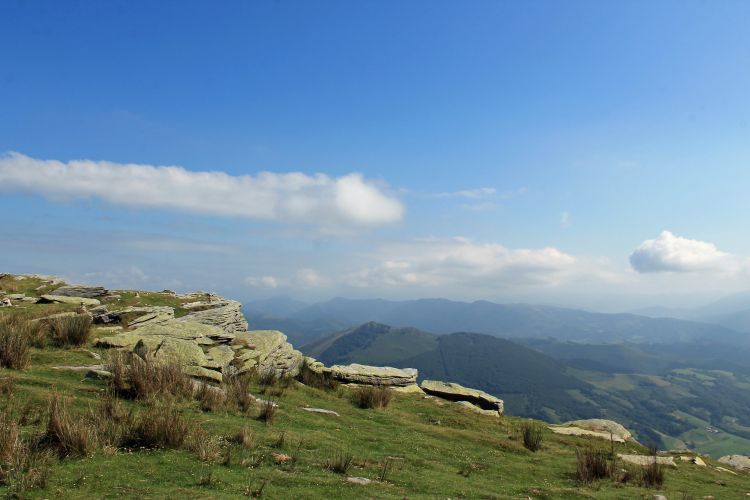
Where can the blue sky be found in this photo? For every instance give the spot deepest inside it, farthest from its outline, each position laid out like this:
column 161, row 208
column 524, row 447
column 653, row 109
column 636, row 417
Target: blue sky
column 578, row 153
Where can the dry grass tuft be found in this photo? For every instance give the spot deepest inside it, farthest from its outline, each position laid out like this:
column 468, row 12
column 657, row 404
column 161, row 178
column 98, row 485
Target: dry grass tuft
column 161, row 425
column 16, row 338
column 372, row 397
column 339, row 461
column 244, row 438
column 532, row 434
column 70, row 330
column 148, row 378
column 66, row 434
column 210, row 398
column 237, row 390
column 310, row 378
column 267, row 411
column 591, row 464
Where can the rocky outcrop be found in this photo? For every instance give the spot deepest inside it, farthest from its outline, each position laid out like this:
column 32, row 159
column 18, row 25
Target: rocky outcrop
column 66, row 299
column 89, row 292
column 373, row 375
column 739, row 462
column 455, row 392
column 225, row 314
column 644, row 460
column 598, row 427
column 264, row 351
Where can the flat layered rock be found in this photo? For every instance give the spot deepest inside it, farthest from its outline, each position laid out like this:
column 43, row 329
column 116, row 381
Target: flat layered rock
column 739, row 462
column 645, row 460
column 577, row 431
column 477, row 409
column 228, row 317
column 373, row 375
column 602, row 425
column 156, row 332
column 90, row 292
column 64, row 299
column 456, row 392
column 266, row 350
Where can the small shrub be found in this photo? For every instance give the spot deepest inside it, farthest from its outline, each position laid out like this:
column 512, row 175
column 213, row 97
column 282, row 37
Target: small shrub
column 15, row 342
column 237, row 390
column 652, row 475
column 339, row 461
column 147, row 378
column 532, row 434
column 204, row 445
column 210, row 398
column 160, row 426
column 114, row 424
column 254, row 490
column 70, row 330
column 244, row 438
column 68, row 435
column 267, row 411
column 317, row 380
column 591, row 464
column 372, row 397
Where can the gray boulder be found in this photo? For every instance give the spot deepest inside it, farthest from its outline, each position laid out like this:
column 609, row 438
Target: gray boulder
column 266, row 350
column 455, row 392
column 373, row 375
column 89, row 292
column 739, row 462
column 227, row 316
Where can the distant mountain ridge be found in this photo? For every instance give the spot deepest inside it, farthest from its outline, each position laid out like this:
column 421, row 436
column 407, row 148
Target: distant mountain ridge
column 443, row 316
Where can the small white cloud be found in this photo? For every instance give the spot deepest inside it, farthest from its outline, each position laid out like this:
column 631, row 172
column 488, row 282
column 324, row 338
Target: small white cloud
column 262, row 281
column 566, row 220
column 290, row 197
column 463, row 263
column 309, row 278
column 670, row 253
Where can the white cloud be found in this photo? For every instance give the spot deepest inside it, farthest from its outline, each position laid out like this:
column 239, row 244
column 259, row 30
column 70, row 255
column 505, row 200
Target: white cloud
column 290, row 197
column 262, row 281
column 462, row 263
column 672, row 253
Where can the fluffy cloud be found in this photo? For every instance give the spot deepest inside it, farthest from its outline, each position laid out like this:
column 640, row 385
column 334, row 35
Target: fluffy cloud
column 291, row 197
column 672, row 253
column 461, row 262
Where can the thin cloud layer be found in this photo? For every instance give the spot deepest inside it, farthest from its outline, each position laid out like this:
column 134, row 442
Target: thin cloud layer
column 290, row 197
column 461, row 262
column 670, row 253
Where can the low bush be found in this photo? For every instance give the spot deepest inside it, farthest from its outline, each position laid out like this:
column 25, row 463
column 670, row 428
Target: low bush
column 372, row 397
column 244, row 438
column 339, row 461
column 591, row 464
column 67, row 435
column 237, row 390
column 204, row 445
column 16, row 337
column 22, row 466
column 267, row 411
column 652, row 475
column 70, row 330
column 147, row 378
column 210, row 398
column 160, row 425
column 532, row 434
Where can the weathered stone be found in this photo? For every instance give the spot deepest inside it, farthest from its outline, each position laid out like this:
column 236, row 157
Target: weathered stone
column 64, row 299
column 577, row 431
column 89, row 292
column 739, row 462
column 321, row 411
column 645, row 460
column 373, row 375
column 155, row 315
column 228, row 317
column 55, row 316
column 693, row 460
column 602, row 425
column 723, row 469
column 408, row 389
column 203, row 373
column 455, row 392
column 220, row 356
column 314, row 365
column 477, row 409
column 358, row 480
column 267, row 350
column 188, row 353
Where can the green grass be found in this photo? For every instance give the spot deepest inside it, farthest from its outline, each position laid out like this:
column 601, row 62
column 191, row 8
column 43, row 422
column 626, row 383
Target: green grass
column 434, row 449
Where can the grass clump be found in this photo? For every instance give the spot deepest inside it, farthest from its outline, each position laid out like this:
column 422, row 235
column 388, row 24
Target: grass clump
column 532, row 434
column 237, row 390
column 16, row 338
column 67, row 434
column 71, row 331
column 592, row 464
column 148, row 378
column 244, row 437
column 210, row 398
column 161, row 425
column 372, row 397
column 22, row 465
column 339, row 461
column 652, row 475
column 267, row 411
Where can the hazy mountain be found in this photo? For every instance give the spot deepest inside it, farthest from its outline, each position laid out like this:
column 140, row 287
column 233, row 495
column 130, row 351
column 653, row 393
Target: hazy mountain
column 515, row 320
column 279, row 307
